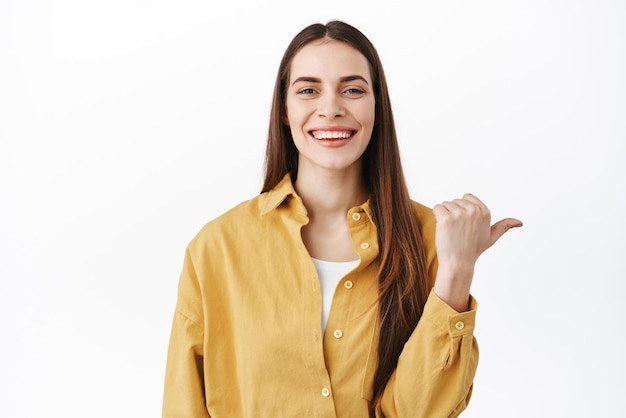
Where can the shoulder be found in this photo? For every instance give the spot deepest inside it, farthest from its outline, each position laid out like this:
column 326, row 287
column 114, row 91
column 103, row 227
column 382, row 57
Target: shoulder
column 246, row 222
column 233, row 222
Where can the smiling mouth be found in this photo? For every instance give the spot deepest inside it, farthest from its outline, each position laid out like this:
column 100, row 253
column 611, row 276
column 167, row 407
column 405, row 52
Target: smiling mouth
column 331, row 135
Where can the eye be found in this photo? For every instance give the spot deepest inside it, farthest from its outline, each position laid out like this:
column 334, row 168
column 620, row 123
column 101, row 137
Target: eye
column 353, row 91
column 306, row 91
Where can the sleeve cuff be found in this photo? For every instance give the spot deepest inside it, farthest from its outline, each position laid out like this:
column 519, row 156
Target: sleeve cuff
column 447, row 319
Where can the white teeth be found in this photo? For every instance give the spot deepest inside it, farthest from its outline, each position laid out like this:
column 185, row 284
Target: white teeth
column 331, row 134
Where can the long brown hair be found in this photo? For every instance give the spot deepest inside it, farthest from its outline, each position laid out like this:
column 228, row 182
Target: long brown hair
column 403, row 282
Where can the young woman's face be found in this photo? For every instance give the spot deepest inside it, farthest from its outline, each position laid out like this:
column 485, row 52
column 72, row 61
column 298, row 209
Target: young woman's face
column 330, row 105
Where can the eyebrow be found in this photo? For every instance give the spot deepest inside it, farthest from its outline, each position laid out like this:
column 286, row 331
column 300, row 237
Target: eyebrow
column 317, row 80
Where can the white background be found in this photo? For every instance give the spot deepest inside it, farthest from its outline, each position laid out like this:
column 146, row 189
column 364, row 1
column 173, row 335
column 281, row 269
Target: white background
column 126, row 125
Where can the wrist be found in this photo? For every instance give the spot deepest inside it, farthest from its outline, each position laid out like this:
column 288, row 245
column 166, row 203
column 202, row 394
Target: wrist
column 453, row 287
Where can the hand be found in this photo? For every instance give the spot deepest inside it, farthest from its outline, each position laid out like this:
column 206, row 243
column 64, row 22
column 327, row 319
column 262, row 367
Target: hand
column 463, row 233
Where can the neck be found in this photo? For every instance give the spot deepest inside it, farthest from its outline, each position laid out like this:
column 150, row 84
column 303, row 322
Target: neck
column 328, row 193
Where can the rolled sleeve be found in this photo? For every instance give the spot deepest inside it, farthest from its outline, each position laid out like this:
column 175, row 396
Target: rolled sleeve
column 436, row 369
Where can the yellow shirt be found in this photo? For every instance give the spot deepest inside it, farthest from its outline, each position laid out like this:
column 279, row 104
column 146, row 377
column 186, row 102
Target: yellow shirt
column 247, row 340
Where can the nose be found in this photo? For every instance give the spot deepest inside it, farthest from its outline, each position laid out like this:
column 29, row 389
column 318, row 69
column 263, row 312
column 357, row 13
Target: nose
column 331, row 106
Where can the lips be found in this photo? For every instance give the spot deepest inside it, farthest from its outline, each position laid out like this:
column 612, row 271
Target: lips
column 332, row 135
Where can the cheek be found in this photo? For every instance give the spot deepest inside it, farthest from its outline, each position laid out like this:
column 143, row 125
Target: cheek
column 368, row 119
column 296, row 116
column 367, row 112
column 291, row 112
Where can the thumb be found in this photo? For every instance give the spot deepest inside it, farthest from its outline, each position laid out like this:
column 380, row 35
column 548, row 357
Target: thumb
column 499, row 228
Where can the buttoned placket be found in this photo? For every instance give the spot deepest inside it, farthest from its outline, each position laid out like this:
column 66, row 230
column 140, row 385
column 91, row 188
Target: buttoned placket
column 343, row 290
column 319, row 379
column 340, row 313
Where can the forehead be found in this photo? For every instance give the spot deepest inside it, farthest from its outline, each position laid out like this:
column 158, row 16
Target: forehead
column 329, row 59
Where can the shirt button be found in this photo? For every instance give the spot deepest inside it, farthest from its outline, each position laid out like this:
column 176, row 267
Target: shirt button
column 459, row 325
column 325, row 392
column 338, row 333
column 365, row 245
column 356, row 216
column 347, row 284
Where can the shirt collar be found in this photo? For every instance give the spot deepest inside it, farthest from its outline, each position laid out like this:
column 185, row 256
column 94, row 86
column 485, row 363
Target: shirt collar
column 278, row 194
column 284, row 189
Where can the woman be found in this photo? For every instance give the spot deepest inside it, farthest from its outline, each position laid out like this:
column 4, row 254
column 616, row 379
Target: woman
column 331, row 293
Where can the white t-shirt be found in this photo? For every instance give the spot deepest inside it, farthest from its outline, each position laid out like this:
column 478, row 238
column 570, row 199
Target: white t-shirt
column 330, row 273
